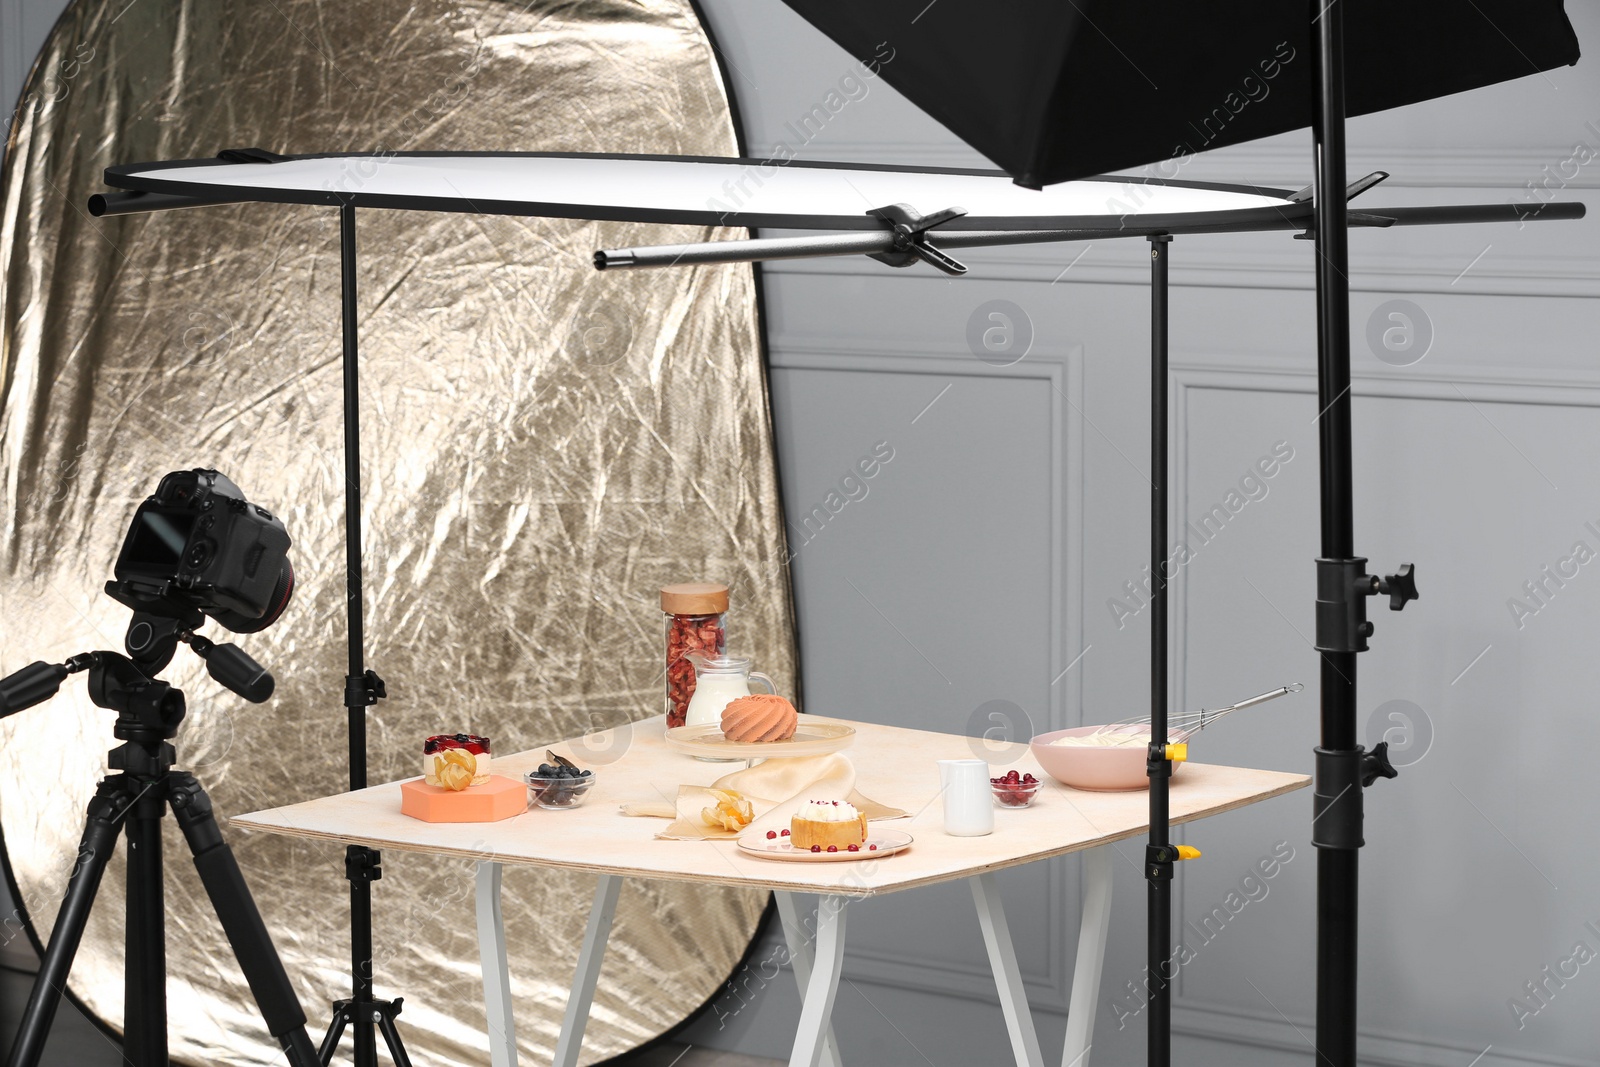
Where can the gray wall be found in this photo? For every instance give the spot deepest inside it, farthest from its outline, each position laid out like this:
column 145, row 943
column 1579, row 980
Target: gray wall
column 23, row 26
column 979, row 567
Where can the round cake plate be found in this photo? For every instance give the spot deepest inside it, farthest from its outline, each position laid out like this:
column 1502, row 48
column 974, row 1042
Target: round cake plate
column 812, row 737
column 888, row 841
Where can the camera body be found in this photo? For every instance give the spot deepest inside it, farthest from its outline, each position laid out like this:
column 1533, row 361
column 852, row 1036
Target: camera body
column 198, row 544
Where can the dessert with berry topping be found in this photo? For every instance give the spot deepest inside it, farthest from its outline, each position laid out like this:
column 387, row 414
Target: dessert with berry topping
column 827, row 824
column 759, row 717
column 455, row 761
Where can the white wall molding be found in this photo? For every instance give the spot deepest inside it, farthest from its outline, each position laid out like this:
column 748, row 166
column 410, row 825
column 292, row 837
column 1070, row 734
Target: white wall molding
column 1061, row 371
column 1520, row 266
column 1193, row 370
column 1225, row 370
column 1578, row 387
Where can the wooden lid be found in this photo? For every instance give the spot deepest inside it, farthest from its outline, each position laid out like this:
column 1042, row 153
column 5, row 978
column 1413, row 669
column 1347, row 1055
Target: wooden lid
column 694, row 598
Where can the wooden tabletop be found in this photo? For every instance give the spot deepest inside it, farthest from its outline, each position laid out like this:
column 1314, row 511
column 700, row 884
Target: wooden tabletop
column 894, row 766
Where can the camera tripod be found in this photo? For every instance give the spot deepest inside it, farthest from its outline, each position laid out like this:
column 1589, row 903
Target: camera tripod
column 133, row 801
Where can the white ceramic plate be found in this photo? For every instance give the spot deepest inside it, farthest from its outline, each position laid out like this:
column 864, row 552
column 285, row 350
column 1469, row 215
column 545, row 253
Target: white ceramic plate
column 888, row 841
column 812, row 737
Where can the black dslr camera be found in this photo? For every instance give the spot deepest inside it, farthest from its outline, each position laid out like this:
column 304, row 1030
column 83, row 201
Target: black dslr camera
column 198, row 544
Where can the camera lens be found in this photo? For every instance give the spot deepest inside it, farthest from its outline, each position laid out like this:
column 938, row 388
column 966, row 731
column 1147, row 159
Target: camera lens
column 282, row 593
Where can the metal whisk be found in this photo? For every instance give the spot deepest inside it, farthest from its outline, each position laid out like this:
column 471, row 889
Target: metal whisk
column 1184, row 725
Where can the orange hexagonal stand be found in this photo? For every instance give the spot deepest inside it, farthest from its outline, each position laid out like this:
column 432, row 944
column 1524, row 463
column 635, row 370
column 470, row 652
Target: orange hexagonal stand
column 498, row 798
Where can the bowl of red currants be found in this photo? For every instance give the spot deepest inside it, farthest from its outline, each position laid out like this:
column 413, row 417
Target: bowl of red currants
column 1014, row 790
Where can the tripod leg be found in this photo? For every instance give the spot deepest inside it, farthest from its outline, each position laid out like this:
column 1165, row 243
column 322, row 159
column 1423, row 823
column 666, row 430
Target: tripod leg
column 94, row 852
column 247, row 933
column 391, row 1037
column 330, row 1040
column 144, row 1026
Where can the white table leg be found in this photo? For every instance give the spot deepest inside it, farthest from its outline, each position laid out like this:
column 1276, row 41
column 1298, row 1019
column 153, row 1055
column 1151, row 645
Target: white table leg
column 816, row 1013
column 1091, row 956
column 1007, row 975
column 496, row 975
column 794, row 936
column 581, row 997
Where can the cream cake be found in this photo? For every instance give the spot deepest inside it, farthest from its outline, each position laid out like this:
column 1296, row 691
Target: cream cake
column 828, row 826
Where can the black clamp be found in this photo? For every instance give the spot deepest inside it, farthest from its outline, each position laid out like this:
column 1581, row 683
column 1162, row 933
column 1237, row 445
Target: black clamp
column 360, row 1012
column 363, row 691
column 1351, row 191
column 362, row 864
column 1343, row 586
column 1338, row 800
column 389, row 1008
column 1158, row 861
column 911, row 244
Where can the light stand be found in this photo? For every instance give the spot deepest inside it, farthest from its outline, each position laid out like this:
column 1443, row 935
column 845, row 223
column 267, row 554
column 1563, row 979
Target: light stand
column 1159, row 853
column 1343, row 767
column 362, row 1012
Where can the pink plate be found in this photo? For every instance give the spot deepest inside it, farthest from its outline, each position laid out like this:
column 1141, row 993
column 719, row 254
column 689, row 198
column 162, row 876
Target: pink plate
column 888, row 841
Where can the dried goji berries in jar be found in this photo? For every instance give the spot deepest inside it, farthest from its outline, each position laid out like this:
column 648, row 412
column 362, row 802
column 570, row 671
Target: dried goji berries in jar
column 694, row 620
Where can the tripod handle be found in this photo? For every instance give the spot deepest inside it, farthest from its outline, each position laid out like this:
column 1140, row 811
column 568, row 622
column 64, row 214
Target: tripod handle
column 33, row 684
column 233, row 667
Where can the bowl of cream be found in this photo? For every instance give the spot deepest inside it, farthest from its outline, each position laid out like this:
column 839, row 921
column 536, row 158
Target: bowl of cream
column 1100, row 758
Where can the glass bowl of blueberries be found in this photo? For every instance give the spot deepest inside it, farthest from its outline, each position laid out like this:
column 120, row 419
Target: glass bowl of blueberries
column 558, row 784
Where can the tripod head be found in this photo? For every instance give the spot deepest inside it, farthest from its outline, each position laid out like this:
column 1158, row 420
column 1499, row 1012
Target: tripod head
column 148, row 709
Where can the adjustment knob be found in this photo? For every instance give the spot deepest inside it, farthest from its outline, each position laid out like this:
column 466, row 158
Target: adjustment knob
column 1375, row 764
column 1401, row 586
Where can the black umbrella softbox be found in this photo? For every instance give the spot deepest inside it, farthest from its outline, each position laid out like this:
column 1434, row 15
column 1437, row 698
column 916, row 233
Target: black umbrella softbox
column 1052, row 90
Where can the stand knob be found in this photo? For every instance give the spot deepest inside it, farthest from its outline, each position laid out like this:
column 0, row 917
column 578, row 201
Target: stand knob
column 1375, row 764
column 1400, row 586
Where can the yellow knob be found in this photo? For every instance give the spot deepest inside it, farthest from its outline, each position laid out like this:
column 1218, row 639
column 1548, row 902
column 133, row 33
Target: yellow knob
column 1177, row 753
column 1188, row 852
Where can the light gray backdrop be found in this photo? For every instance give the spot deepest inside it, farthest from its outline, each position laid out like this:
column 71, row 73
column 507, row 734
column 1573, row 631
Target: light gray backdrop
column 973, row 583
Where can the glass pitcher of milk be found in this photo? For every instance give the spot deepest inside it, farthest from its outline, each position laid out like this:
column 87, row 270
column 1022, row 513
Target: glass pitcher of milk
column 719, row 680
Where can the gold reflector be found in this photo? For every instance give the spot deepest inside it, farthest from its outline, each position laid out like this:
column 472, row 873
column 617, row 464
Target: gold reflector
column 544, row 448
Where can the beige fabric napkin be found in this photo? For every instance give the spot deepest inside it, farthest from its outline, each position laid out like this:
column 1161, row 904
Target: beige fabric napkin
column 775, row 788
